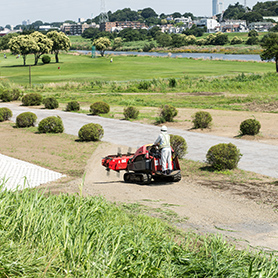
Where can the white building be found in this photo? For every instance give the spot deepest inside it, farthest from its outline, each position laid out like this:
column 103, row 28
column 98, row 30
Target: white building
column 211, row 24
column 185, row 20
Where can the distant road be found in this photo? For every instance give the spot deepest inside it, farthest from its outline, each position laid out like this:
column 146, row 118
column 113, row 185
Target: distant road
column 257, row 157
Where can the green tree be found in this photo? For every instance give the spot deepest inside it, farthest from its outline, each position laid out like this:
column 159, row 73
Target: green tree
column 252, row 17
column 44, row 45
column 23, row 45
column 253, row 33
column 148, row 12
column 163, row 39
column 117, row 43
column 101, row 44
column 270, row 45
column 4, row 41
column 234, row 11
column 60, row 42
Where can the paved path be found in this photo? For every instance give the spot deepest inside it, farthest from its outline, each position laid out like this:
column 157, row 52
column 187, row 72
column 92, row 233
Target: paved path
column 19, row 174
column 257, row 157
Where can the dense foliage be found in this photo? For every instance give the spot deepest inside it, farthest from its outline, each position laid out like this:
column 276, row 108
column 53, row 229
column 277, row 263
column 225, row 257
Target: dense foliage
column 201, row 119
column 46, row 59
column 5, row 114
column 223, row 156
column 91, row 132
column 50, row 103
column 250, row 127
column 7, row 95
column 51, row 124
column 131, row 112
column 26, row 119
column 179, row 145
column 167, row 113
column 99, row 107
column 270, row 46
column 73, row 106
column 32, row 99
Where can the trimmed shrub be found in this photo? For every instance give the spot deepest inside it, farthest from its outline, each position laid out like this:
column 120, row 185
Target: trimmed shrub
column 46, row 59
column 201, row 120
column 178, row 144
column 50, row 103
column 32, row 99
column 6, row 96
column 172, row 82
column 99, row 107
column 26, row 119
column 131, row 113
column 250, row 127
column 10, row 95
column 90, row 132
column 167, row 113
column 5, row 114
column 73, row 106
column 51, row 124
column 223, row 156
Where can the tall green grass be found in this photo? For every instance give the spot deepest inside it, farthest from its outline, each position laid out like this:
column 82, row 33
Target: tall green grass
column 45, row 235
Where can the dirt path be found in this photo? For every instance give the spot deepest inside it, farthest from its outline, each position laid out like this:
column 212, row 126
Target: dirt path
column 207, row 210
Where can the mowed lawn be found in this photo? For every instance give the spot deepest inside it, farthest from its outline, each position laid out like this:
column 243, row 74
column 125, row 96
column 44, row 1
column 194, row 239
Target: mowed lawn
column 84, row 68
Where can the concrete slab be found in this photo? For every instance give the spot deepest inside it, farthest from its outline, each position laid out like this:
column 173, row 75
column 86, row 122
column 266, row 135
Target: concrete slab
column 15, row 173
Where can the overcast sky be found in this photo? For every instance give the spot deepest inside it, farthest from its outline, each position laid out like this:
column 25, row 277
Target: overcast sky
column 13, row 12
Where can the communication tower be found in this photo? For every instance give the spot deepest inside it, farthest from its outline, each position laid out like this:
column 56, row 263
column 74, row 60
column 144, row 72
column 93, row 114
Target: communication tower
column 103, row 14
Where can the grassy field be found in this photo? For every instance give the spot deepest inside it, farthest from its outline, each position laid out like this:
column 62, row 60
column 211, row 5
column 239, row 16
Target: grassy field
column 137, row 81
column 72, row 236
column 84, row 68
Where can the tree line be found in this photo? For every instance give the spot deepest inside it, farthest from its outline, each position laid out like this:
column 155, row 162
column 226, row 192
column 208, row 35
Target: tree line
column 256, row 14
column 38, row 44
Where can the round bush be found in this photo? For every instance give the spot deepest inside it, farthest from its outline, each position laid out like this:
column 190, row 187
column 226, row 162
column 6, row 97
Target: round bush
column 10, row 95
column 250, row 127
column 6, row 96
column 32, row 99
column 201, row 119
column 131, row 113
column 26, row 119
column 90, row 132
column 223, row 156
column 167, row 113
column 73, row 106
column 51, row 124
column 50, row 103
column 5, row 113
column 99, row 108
column 178, row 144
column 46, row 59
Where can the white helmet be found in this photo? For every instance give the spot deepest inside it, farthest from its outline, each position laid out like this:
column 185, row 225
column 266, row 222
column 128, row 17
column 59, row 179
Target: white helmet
column 164, row 128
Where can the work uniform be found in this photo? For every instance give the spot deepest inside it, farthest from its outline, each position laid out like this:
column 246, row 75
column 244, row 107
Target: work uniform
column 163, row 141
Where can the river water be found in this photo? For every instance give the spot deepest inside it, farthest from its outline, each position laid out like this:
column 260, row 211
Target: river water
column 214, row 56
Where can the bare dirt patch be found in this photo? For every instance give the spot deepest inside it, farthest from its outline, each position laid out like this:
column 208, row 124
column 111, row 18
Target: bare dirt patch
column 58, row 152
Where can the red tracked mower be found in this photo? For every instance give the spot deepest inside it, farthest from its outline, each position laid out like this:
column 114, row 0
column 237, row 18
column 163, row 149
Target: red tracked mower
column 143, row 165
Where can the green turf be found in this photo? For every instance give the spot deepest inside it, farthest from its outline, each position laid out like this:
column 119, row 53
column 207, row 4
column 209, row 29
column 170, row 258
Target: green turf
column 84, row 68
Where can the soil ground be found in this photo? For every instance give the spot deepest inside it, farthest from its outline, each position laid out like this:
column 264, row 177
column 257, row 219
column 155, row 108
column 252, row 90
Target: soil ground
column 243, row 211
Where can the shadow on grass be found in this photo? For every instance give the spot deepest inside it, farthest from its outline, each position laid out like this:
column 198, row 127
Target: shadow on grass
column 208, row 169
